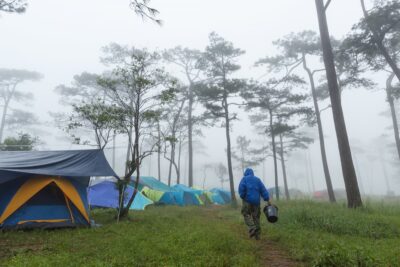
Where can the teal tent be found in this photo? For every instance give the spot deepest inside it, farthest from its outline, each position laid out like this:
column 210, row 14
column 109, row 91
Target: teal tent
column 220, row 196
column 152, row 183
column 159, row 197
column 187, row 196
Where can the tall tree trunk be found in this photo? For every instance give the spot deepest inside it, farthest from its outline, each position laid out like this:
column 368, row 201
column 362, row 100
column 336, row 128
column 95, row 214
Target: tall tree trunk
column 229, row 153
column 128, row 150
column 178, row 173
column 349, row 174
column 390, row 99
column 282, row 155
column 159, row 150
column 328, row 179
column 274, row 154
column 171, row 162
column 136, row 159
column 190, row 135
column 379, row 43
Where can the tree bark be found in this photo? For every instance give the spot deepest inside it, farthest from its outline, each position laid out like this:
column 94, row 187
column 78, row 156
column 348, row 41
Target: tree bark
column 328, row 179
column 173, row 142
column 136, row 159
column 379, row 43
column 349, row 174
column 282, row 155
column 274, row 154
column 159, row 150
column 170, row 162
column 178, row 173
column 390, row 99
column 229, row 153
column 190, row 135
column 129, row 148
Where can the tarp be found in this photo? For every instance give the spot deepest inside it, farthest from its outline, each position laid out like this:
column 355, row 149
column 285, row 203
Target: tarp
column 106, row 195
column 72, row 163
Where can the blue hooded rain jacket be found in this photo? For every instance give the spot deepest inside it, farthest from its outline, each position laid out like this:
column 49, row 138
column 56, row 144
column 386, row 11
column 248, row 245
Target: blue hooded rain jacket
column 251, row 188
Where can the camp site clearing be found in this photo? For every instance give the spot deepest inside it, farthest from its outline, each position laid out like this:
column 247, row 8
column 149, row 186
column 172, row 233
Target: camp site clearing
column 308, row 234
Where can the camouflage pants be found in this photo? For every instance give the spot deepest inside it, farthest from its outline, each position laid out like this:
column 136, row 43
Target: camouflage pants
column 251, row 214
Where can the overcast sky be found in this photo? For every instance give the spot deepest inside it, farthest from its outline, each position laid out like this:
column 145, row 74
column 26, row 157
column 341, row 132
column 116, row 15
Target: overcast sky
column 64, row 38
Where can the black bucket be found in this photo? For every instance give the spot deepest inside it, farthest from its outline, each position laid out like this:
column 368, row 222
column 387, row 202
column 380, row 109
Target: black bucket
column 271, row 212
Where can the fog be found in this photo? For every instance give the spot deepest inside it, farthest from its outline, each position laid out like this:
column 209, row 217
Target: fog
column 63, row 38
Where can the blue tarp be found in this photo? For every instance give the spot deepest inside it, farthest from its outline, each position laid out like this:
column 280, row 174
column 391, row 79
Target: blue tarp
column 72, row 163
column 106, row 195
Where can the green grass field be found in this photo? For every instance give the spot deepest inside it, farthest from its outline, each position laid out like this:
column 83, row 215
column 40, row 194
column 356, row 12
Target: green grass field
column 307, row 234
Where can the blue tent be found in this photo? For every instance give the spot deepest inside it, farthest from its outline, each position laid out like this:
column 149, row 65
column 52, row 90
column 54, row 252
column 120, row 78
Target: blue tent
column 216, row 198
column 156, row 190
column 47, row 189
column 187, row 196
column 159, row 197
column 168, row 198
column 152, row 183
column 221, row 196
column 106, row 195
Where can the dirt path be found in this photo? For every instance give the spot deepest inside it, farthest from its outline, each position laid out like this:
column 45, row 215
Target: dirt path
column 273, row 256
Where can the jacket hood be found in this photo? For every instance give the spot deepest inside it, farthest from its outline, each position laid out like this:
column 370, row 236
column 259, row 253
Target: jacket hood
column 249, row 172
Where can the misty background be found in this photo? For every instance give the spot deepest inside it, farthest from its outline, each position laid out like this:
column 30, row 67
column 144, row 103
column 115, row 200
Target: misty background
column 63, row 38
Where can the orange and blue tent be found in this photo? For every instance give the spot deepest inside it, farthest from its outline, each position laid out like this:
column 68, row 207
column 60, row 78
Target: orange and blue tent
column 47, row 189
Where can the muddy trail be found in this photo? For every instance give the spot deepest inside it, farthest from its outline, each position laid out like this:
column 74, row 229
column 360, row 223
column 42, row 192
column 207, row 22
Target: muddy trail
column 274, row 256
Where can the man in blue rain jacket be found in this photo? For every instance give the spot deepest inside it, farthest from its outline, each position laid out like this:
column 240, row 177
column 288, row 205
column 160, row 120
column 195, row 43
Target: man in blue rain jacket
column 251, row 189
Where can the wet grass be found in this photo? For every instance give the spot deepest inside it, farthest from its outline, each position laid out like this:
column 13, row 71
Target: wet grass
column 160, row 236
column 323, row 234
column 315, row 234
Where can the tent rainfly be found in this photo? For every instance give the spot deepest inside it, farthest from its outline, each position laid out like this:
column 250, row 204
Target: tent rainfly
column 47, row 189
